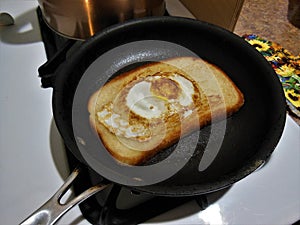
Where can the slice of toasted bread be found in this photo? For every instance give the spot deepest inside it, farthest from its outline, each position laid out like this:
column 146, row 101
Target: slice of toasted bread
column 149, row 108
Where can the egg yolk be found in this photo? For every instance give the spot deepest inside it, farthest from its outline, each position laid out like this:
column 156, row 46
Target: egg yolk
column 165, row 88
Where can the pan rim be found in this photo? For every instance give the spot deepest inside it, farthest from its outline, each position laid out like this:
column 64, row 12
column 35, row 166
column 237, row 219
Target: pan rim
column 278, row 129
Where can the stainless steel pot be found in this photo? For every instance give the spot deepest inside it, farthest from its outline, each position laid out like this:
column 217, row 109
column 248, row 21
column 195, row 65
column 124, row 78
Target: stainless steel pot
column 80, row 19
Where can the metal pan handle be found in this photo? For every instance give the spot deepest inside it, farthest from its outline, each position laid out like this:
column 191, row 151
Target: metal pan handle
column 53, row 209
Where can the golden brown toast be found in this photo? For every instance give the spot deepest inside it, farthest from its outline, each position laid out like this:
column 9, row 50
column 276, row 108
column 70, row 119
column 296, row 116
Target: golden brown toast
column 143, row 111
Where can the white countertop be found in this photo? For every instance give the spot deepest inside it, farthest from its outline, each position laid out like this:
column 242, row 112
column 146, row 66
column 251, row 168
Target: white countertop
column 29, row 172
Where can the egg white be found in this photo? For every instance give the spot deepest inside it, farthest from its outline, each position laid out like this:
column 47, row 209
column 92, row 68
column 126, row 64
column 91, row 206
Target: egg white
column 143, row 108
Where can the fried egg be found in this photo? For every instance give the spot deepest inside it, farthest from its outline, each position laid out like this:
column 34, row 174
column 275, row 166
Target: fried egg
column 148, row 102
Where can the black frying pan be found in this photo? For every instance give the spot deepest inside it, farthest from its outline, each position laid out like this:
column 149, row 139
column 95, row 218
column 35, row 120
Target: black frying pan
column 208, row 160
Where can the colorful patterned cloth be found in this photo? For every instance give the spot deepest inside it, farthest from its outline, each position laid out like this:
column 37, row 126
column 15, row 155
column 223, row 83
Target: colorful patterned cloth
column 286, row 66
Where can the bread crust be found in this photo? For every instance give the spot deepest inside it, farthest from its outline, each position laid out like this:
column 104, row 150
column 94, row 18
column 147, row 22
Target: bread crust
column 218, row 98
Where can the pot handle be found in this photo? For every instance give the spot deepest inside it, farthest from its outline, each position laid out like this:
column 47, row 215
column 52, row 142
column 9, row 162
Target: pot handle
column 53, row 209
column 47, row 70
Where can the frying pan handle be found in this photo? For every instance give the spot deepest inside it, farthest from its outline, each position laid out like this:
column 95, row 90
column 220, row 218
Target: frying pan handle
column 53, row 209
column 47, row 70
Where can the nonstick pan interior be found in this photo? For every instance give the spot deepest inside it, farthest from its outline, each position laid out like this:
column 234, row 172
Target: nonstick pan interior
column 243, row 141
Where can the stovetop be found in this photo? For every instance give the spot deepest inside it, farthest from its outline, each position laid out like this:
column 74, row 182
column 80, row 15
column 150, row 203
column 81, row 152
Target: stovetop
column 32, row 161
